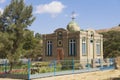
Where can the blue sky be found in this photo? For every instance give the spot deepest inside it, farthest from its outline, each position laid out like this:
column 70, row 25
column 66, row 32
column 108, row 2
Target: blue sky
column 53, row 14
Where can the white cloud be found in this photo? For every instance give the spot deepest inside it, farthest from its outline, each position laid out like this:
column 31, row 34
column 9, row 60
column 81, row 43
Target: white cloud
column 1, row 10
column 53, row 8
column 2, row 1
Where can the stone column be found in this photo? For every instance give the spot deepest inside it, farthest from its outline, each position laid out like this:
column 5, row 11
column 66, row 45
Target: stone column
column 80, row 48
column 95, row 55
column 101, row 41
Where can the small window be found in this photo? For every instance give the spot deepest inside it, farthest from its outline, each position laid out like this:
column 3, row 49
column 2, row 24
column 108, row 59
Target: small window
column 60, row 43
column 91, row 41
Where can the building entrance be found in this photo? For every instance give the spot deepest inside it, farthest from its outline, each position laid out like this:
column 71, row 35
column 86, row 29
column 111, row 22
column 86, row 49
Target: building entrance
column 60, row 54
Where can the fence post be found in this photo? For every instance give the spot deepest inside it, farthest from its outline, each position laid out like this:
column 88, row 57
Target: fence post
column 54, row 67
column 28, row 69
column 5, row 64
column 73, row 65
column 108, row 62
column 114, row 62
column 87, row 63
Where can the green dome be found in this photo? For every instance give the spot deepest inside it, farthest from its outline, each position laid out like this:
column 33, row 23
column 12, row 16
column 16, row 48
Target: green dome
column 73, row 26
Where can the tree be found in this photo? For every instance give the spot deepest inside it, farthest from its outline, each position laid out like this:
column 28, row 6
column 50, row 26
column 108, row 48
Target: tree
column 39, row 47
column 15, row 20
column 38, row 36
column 4, row 40
column 5, row 44
column 111, row 44
column 33, row 45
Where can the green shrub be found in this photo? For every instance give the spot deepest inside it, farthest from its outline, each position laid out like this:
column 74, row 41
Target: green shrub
column 42, row 70
column 45, row 69
column 40, row 64
column 40, row 67
column 78, row 66
column 58, row 67
column 34, row 70
column 24, row 66
column 67, row 65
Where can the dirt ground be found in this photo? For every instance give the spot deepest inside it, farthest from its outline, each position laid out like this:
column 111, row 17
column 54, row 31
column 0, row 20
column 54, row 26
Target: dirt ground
column 98, row 75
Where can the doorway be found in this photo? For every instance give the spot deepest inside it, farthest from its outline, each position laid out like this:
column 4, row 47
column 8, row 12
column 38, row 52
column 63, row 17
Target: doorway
column 60, row 54
column 91, row 51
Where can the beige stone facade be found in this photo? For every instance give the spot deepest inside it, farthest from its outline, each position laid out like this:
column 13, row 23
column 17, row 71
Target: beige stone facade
column 72, row 43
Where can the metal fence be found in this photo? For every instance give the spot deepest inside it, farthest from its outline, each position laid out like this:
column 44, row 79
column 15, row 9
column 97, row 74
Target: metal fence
column 19, row 69
column 27, row 69
column 62, row 67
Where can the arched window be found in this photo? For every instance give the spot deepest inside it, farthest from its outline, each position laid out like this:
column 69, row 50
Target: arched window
column 98, row 47
column 72, row 47
column 59, row 35
column 84, row 53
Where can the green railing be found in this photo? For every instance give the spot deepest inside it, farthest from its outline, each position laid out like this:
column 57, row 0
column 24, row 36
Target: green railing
column 19, row 68
column 64, row 65
column 35, row 69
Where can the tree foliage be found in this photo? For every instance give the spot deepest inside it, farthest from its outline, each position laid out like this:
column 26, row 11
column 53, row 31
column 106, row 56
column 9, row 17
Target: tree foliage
column 32, row 45
column 16, row 40
column 111, row 43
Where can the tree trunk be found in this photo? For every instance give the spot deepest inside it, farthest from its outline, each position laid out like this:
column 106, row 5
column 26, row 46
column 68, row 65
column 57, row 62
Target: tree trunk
column 11, row 67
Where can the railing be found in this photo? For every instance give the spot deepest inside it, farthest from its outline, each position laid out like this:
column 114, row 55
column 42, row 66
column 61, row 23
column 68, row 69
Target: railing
column 61, row 67
column 27, row 69
column 19, row 69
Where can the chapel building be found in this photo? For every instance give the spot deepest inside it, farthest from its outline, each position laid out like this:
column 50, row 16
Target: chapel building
column 72, row 43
